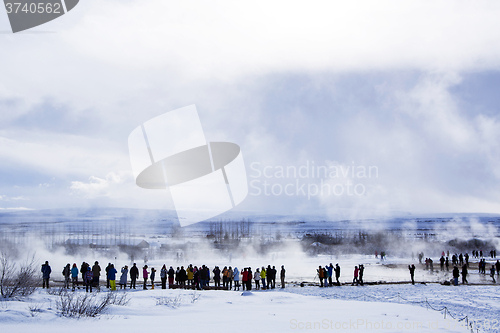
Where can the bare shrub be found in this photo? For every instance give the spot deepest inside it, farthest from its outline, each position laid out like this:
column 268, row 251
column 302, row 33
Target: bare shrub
column 57, row 291
column 171, row 302
column 17, row 282
column 4, row 305
column 195, row 296
column 35, row 308
column 88, row 305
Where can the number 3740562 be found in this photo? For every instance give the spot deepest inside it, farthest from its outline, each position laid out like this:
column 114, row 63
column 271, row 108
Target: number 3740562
column 33, row 8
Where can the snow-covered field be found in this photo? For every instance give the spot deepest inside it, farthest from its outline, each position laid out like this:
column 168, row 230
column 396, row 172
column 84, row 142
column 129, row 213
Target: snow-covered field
column 386, row 307
column 302, row 309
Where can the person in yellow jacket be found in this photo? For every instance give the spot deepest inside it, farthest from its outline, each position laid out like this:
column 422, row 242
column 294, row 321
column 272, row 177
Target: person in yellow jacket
column 190, row 275
column 225, row 274
column 263, row 277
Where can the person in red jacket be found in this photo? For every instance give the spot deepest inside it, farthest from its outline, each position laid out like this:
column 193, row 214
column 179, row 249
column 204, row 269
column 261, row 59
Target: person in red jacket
column 356, row 273
column 321, row 275
column 244, row 278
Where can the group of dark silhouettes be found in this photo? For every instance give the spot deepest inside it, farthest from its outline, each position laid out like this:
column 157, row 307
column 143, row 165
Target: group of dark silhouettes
column 459, row 260
column 194, row 277
column 189, row 277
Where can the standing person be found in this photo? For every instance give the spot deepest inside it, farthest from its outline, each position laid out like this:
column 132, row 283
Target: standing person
column 177, row 275
column 107, row 274
column 236, row 278
column 447, row 264
column 74, row 277
column 256, row 277
column 356, row 274
column 196, row 277
column 190, row 275
column 96, row 271
column 145, row 274
column 269, row 277
column 89, row 279
column 492, row 273
column 498, row 267
column 152, row 277
column 250, row 277
column 224, row 277
column 163, row 277
column 46, row 270
column 230, row 275
column 216, row 272
column 134, row 275
column 263, row 277
column 441, row 261
column 244, row 278
column 412, row 273
column 171, row 275
column 182, row 276
column 66, row 273
column 207, row 270
column 321, row 275
column 337, row 273
column 112, row 277
column 83, row 270
column 330, row 274
column 123, row 277
column 361, row 271
column 464, row 274
column 325, row 276
column 274, row 276
column 282, row 276
column 456, row 275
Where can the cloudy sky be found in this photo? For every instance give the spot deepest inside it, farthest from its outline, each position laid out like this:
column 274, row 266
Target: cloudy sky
column 411, row 88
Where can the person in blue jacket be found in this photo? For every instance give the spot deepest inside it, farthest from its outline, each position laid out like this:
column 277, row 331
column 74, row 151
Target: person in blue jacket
column 330, row 274
column 236, row 278
column 74, row 276
column 112, row 277
column 46, row 270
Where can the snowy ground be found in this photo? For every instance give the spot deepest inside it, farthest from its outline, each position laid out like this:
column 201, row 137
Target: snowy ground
column 262, row 311
column 345, row 308
column 480, row 304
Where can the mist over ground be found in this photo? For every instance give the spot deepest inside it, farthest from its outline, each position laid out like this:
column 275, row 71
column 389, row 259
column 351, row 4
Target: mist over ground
column 124, row 236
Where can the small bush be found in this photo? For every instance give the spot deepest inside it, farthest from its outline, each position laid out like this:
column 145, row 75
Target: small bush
column 88, row 305
column 171, row 302
column 195, row 296
column 57, row 291
column 35, row 308
column 16, row 282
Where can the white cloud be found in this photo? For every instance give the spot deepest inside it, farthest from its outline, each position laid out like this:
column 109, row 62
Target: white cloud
column 15, row 209
column 96, row 187
column 18, row 198
column 228, row 38
column 123, row 62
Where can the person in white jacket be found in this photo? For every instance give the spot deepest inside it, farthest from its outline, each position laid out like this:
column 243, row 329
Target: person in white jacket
column 256, row 277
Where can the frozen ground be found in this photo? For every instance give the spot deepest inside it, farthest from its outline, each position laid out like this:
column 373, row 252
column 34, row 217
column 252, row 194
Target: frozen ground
column 481, row 304
column 302, row 309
